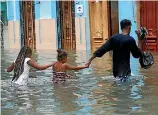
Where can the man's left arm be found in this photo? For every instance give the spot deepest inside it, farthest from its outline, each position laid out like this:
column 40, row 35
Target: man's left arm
column 136, row 52
column 102, row 50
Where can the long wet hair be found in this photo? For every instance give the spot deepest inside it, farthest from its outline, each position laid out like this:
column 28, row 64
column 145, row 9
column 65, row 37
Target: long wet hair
column 61, row 54
column 19, row 63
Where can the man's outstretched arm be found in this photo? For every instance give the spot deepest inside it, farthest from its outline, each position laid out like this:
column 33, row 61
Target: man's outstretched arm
column 90, row 60
column 101, row 51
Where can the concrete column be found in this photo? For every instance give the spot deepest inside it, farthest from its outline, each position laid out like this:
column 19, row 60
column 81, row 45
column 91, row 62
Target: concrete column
column 45, row 25
column 82, row 27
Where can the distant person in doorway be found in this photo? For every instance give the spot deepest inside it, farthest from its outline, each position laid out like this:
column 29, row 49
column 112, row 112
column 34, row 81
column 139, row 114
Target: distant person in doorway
column 21, row 66
column 121, row 45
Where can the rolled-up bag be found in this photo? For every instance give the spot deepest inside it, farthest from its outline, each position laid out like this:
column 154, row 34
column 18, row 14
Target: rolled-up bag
column 147, row 59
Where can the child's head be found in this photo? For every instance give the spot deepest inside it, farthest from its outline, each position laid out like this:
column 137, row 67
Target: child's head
column 19, row 63
column 62, row 56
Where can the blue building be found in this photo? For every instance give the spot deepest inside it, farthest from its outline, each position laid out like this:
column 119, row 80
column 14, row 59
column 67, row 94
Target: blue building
column 78, row 25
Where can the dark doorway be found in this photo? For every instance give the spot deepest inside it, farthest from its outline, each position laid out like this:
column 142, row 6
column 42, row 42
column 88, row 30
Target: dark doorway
column 66, row 25
column 27, row 24
column 113, row 16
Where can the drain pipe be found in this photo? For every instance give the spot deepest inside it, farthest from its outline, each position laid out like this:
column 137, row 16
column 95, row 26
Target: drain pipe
column 80, row 29
column 14, row 32
column 2, row 40
column 21, row 23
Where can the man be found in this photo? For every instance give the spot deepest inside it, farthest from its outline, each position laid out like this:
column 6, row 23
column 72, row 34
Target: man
column 121, row 45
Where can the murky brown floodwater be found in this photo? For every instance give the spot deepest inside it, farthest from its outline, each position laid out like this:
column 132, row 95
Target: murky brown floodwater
column 91, row 92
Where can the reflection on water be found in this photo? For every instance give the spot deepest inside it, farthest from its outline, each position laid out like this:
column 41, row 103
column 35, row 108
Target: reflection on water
column 90, row 91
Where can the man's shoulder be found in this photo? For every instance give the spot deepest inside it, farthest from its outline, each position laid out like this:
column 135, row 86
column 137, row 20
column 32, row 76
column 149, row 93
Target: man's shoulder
column 121, row 35
column 130, row 38
column 124, row 37
column 115, row 35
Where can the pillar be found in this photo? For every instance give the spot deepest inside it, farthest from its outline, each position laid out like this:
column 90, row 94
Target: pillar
column 13, row 24
column 82, row 26
column 45, row 25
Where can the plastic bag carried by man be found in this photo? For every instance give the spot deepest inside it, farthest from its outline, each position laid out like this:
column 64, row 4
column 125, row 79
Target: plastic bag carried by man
column 147, row 60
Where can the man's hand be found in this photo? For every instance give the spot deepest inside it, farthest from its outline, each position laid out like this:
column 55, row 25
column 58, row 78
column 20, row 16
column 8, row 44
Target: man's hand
column 90, row 60
column 138, row 33
column 88, row 64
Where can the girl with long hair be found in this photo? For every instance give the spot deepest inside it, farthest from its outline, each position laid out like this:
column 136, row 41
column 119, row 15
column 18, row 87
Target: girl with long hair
column 21, row 66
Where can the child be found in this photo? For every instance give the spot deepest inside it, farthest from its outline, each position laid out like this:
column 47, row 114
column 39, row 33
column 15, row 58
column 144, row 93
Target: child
column 21, row 66
column 60, row 67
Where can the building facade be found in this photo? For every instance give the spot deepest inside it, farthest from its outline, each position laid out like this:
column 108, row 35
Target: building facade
column 74, row 25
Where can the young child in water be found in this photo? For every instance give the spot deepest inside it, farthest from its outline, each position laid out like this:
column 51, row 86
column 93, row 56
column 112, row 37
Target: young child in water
column 60, row 67
column 21, row 66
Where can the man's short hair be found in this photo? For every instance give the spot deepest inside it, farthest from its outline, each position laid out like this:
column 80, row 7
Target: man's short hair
column 125, row 23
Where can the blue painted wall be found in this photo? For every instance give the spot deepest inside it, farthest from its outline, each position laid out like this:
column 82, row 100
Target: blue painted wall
column 45, row 9
column 10, row 11
column 13, row 12
column 17, row 10
column 86, row 15
column 53, row 6
column 37, row 10
column 127, row 10
column 84, row 3
column 86, row 8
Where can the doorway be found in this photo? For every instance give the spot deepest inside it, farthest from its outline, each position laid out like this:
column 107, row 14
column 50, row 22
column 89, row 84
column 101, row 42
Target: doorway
column 113, row 17
column 27, row 24
column 66, row 25
column 103, row 21
column 149, row 19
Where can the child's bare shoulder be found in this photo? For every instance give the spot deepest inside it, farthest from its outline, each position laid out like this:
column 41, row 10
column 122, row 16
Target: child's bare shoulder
column 54, row 62
column 65, row 64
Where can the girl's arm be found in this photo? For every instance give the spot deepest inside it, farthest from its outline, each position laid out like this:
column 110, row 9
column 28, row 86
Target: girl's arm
column 10, row 68
column 36, row 66
column 70, row 67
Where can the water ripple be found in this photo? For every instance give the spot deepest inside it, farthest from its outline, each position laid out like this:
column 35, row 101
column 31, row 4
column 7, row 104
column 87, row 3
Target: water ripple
column 92, row 91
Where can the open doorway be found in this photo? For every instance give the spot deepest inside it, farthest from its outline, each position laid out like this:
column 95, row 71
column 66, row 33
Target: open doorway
column 66, row 25
column 149, row 19
column 113, row 17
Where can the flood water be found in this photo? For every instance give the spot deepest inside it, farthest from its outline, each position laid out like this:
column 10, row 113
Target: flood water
column 92, row 91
